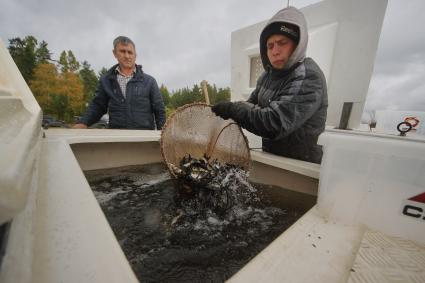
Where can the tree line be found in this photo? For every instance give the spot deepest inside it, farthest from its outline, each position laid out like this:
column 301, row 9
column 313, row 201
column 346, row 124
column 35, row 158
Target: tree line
column 64, row 87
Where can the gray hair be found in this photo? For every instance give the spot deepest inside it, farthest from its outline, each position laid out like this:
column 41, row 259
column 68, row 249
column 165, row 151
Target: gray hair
column 123, row 40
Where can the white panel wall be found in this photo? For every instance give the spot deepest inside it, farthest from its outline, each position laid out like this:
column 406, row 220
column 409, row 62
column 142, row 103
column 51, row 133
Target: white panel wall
column 344, row 37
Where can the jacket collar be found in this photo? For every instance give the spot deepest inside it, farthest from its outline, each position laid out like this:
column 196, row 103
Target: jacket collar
column 278, row 74
column 111, row 74
column 118, row 71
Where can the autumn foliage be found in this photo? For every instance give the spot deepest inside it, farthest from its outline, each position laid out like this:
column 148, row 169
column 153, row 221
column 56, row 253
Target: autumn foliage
column 65, row 87
column 60, row 94
column 62, row 88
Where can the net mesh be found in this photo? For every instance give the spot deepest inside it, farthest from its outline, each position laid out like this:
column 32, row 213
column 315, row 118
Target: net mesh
column 194, row 129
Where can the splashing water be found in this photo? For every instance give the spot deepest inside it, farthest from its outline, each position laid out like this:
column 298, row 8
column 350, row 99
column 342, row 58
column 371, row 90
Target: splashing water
column 214, row 190
column 206, row 234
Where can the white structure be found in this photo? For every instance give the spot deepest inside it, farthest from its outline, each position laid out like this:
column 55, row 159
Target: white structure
column 343, row 40
column 368, row 224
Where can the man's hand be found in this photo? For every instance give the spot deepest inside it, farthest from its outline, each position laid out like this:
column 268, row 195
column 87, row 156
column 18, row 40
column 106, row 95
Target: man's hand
column 80, row 126
column 223, row 109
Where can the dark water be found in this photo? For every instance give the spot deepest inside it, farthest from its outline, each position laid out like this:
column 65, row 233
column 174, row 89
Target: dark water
column 167, row 238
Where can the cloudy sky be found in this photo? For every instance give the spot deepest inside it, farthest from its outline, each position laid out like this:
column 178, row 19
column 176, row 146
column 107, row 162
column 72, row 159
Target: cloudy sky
column 183, row 42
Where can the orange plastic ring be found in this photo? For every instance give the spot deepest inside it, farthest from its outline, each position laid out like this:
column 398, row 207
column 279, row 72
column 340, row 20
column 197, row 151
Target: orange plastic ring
column 412, row 121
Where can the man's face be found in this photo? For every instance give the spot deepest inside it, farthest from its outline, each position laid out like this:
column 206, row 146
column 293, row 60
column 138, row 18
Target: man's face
column 126, row 55
column 279, row 49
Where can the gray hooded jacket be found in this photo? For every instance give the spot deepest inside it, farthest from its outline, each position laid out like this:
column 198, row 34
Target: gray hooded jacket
column 288, row 107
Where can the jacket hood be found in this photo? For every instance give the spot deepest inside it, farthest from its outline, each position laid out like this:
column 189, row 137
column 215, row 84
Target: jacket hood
column 293, row 16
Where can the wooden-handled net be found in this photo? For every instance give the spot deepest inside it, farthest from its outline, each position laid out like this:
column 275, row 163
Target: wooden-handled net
column 194, row 129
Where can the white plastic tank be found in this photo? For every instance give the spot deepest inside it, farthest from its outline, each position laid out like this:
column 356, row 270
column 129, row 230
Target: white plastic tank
column 374, row 180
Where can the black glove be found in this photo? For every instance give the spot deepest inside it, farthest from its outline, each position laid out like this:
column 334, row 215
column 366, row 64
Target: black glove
column 223, row 109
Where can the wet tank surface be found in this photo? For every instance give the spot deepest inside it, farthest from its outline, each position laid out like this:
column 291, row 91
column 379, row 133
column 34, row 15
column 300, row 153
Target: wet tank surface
column 169, row 237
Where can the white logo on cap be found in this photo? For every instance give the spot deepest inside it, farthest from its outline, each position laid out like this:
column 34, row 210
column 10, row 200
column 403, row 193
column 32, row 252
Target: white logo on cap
column 288, row 30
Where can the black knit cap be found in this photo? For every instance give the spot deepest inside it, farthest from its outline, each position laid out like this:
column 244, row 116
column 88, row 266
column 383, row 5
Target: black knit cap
column 289, row 30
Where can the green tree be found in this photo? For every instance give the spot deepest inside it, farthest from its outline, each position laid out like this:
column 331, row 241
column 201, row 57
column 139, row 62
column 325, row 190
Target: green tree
column 102, row 71
column 165, row 94
column 68, row 62
column 23, row 52
column 42, row 54
column 185, row 95
column 181, row 97
column 59, row 103
column 28, row 54
column 196, row 95
column 63, row 62
column 223, row 94
column 74, row 65
column 90, row 80
column 212, row 92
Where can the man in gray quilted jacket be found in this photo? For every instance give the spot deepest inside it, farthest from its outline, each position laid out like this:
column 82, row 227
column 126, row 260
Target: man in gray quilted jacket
column 288, row 106
column 130, row 96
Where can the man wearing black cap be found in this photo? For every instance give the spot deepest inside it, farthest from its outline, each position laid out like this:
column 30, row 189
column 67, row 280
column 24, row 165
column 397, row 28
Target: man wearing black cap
column 288, row 106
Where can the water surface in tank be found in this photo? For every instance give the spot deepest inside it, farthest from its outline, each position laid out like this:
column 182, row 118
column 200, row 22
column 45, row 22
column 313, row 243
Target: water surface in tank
column 167, row 238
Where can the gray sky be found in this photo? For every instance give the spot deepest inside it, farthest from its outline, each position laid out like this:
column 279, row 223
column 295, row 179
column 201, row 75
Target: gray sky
column 183, row 42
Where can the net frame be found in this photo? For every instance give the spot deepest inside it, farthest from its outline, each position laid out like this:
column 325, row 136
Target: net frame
column 224, row 140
